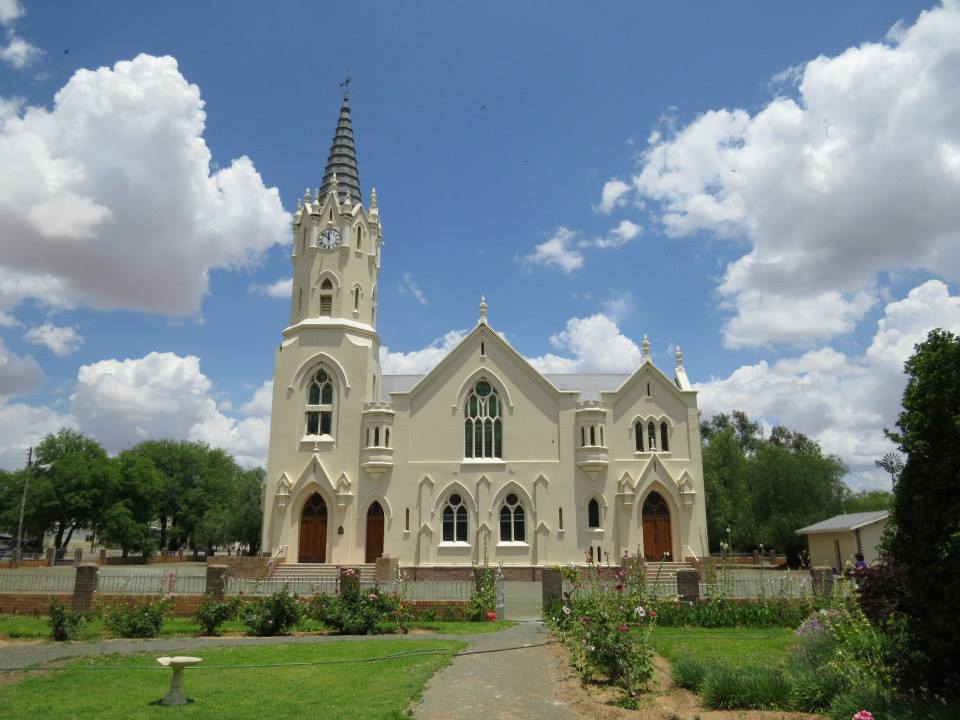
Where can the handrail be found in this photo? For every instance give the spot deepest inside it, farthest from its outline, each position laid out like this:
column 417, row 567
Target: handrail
column 268, row 569
column 692, row 553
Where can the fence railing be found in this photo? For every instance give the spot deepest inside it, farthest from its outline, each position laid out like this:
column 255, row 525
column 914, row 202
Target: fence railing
column 152, row 584
column 414, row 590
column 663, row 588
column 36, row 583
column 752, row 588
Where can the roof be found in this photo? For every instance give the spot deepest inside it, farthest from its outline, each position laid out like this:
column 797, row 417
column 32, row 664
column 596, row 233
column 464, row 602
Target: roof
column 342, row 160
column 589, row 385
column 844, row 523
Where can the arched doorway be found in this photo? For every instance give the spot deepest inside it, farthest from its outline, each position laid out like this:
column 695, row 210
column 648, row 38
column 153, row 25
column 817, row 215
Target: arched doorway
column 374, row 532
column 313, row 531
column 656, row 528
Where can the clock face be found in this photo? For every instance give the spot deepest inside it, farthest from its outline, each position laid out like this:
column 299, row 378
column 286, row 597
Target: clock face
column 329, row 239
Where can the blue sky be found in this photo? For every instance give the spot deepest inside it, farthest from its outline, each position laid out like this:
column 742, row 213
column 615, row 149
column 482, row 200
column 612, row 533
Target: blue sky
column 767, row 185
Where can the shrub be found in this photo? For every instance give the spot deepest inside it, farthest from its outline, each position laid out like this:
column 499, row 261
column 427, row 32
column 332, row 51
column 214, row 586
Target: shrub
column 212, row 614
column 484, row 598
column 689, row 672
column 728, row 687
column 812, row 690
column 356, row 612
column 763, row 612
column 273, row 615
column 65, row 624
column 138, row 620
column 880, row 590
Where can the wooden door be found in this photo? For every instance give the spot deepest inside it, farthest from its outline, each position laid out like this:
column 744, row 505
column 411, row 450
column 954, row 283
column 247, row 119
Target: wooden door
column 313, row 531
column 374, row 533
column 656, row 528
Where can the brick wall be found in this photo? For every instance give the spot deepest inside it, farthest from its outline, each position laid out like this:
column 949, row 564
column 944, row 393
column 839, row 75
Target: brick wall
column 30, row 603
column 241, row 565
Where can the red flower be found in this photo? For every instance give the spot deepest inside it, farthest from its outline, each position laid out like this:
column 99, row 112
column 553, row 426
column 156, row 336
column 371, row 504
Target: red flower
column 653, row 613
column 491, row 616
column 623, row 628
column 618, row 587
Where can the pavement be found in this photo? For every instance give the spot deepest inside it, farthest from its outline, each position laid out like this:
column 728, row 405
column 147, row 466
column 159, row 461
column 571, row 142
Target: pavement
column 503, row 681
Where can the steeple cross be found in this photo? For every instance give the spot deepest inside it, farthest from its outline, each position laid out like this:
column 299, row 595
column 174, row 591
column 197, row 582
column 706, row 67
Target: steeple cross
column 346, row 85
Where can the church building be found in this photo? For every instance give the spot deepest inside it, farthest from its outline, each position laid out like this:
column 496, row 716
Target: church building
column 483, row 457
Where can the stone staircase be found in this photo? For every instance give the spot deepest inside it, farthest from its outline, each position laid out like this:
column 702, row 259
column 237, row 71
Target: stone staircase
column 319, row 571
column 665, row 572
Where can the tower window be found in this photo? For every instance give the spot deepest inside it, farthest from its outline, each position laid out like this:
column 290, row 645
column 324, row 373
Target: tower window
column 455, row 520
column 386, row 437
column 583, row 437
column 356, row 298
column 593, row 435
column 326, row 298
column 664, row 442
column 483, row 424
column 359, row 236
column 512, row 520
column 376, row 436
column 601, row 437
column 320, row 404
column 593, row 514
column 638, row 435
column 406, row 520
column 560, row 512
column 483, row 349
column 300, row 301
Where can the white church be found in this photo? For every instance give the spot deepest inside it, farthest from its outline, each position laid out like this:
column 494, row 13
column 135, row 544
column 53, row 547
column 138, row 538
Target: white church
column 483, row 456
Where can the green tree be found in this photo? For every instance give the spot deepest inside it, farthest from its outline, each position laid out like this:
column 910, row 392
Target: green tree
column 926, row 509
column 749, row 434
column 724, row 476
column 139, row 491
column 247, row 516
column 867, row 500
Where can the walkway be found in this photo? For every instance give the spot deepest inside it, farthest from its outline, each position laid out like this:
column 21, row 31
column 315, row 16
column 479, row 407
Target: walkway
column 511, row 685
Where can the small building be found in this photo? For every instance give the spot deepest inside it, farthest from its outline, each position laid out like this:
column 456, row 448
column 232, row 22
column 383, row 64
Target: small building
column 835, row 542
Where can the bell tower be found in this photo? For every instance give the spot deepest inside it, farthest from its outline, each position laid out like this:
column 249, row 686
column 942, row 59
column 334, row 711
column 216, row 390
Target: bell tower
column 327, row 367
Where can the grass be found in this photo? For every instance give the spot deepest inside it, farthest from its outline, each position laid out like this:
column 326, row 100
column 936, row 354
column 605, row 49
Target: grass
column 28, row 627
column 762, row 646
column 339, row 689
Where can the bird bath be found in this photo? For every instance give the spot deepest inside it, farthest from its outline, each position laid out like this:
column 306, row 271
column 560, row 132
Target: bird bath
column 178, row 663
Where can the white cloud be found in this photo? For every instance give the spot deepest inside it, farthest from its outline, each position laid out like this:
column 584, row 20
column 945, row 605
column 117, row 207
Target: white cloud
column 407, row 285
column 282, row 288
column 612, row 196
column 110, row 196
column 842, row 401
column 618, row 305
column 557, row 251
column 261, row 402
column 10, row 10
column 618, row 236
column 18, row 375
column 595, row 343
column 60, row 341
column 418, row 362
column 23, row 426
column 859, row 173
column 17, row 52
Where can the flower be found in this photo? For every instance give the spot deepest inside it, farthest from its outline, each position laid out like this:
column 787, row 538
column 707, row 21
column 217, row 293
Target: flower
column 585, row 619
column 863, row 715
column 566, row 610
column 618, row 587
column 623, row 627
column 491, row 616
column 591, row 648
column 640, row 612
column 371, row 597
column 652, row 613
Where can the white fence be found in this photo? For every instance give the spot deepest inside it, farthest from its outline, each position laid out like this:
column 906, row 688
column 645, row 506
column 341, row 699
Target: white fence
column 410, row 590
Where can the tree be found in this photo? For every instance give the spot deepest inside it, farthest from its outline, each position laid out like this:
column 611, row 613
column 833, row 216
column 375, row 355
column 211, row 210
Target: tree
column 867, row 500
column 749, row 434
column 127, row 521
column 926, row 510
column 724, row 477
column 247, row 516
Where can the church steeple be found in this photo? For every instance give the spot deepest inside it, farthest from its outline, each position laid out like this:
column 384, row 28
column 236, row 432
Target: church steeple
column 342, row 160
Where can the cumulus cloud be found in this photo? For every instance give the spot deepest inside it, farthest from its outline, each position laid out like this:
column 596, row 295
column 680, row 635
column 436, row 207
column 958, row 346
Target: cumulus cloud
column 19, row 375
column 111, row 201
column 23, row 426
column 282, row 288
column 842, row 401
column 612, row 196
column 17, row 51
column 618, row 236
column 557, row 251
column 261, row 402
column 856, row 173
column 592, row 343
column 418, row 362
column 407, row 285
column 60, row 341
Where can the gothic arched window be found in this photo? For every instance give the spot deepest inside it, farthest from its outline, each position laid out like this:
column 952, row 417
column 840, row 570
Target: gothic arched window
column 651, row 436
column 638, row 435
column 455, row 520
column 356, row 298
column 483, row 423
column 320, row 404
column 512, row 520
column 593, row 514
column 326, row 297
column 664, row 432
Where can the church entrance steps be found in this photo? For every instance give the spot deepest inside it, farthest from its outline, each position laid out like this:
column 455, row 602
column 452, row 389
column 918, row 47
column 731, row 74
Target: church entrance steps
column 320, row 571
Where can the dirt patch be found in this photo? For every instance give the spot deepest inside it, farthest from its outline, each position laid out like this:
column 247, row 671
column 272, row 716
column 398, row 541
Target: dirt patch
column 12, row 678
column 663, row 701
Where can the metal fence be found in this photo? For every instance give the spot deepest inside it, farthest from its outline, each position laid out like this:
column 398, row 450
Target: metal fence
column 753, row 588
column 413, row 590
column 36, row 582
column 663, row 588
column 152, row 584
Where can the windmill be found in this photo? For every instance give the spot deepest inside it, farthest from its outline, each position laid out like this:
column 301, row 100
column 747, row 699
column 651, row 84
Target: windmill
column 893, row 464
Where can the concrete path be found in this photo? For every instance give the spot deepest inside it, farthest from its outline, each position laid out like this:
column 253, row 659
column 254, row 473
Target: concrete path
column 18, row 656
column 508, row 685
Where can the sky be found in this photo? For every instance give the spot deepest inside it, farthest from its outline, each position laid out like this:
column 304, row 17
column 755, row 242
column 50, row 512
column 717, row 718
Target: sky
column 772, row 187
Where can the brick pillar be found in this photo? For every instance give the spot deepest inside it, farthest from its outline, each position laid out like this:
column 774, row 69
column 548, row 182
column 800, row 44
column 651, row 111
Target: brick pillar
column 51, row 559
column 756, row 557
column 822, row 581
column 688, row 585
column 15, row 558
column 180, row 554
column 552, row 585
column 85, row 587
column 349, row 580
column 387, row 568
column 772, row 557
column 103, row 556
column 217, row 581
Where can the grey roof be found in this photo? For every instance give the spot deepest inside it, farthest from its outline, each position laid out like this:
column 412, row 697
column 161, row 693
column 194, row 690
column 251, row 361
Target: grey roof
column 844, row 523
column 342, row 159
column 589, row 385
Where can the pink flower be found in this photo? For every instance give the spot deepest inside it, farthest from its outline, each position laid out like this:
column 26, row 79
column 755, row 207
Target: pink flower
column 371, row 597
column 652, row 613
column 618, row 587
column 585, row 619
column 623, row 628
column 863, row 715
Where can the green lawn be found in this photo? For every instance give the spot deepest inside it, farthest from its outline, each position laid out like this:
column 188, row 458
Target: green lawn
column 339, row 688
column 760, row 646
column 36, row 628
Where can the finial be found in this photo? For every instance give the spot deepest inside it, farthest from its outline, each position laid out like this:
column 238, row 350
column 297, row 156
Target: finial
column 646, row 348
column 345, row 85
column 299, row 204
column 346, row 198
column 483, row 311
column 373, row 199
column 678, row 356
column 333, row 183
column 306, row 195
column 316, row 195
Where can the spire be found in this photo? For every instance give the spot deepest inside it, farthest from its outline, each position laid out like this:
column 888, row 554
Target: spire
column 678, row 357
column 342, row 160
column 646, row 348
column 483, row 311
